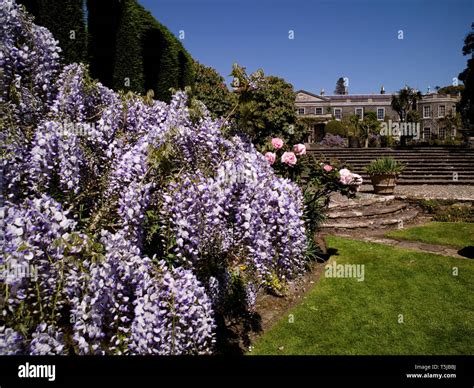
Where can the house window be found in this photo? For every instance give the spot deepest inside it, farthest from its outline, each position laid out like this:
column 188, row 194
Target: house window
column 442, row 133
column 300, row 111
column 426, row 112
column 318, row 111
column 338, row 113
column 359, row 113
column 380, row 113
column 427, row 133
column 441, row 111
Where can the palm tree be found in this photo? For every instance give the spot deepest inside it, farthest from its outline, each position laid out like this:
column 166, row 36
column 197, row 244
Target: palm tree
column 405, row 101
column 368, row 126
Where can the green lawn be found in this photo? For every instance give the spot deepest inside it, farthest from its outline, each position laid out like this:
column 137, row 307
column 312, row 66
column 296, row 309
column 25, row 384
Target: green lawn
column 456, row 234
column 345, row 316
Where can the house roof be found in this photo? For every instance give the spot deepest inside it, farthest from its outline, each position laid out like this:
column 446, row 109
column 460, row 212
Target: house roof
column 312, row 94
column 348, row 96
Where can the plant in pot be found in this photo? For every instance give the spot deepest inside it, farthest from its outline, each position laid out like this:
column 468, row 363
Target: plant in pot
column 353, row 131
column 383, row 173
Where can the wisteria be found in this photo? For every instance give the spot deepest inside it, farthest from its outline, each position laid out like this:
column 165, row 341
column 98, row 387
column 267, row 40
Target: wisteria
column 29, row 59
column 129, row 224
column 47, row 340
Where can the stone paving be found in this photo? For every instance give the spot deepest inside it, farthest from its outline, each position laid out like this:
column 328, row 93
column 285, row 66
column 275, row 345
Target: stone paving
column 415, row 245
column 459, row 192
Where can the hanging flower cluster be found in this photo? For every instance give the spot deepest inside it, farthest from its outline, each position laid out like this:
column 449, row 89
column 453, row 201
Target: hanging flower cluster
column 85, row 268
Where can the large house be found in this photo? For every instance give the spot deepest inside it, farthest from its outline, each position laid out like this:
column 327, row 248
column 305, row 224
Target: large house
column 317, row 110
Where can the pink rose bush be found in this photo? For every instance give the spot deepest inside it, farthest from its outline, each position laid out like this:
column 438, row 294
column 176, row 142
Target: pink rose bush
column 299, row 149
column 288, row 158
column 289, row 154
column 348, row 178
column 271, row 157
column 277, row 143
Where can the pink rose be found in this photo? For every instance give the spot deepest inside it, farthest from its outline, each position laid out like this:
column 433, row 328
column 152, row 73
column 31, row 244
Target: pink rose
column 300, row 149
column 288, row 158
column 271, row 157
column 346, row 176
column 277, row 143
column 344, row 172
column 328, row 168
column 357, row 181
column 349, row 178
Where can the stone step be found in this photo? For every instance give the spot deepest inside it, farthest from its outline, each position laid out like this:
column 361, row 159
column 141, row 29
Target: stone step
column 423, row 165
column 372, row 151
column 387, row 220
column 418, row 171
column 349, row 151
column 433, row 159
column 313, row 147
column 410, row 177
column 419, row 181
column 367, row 211
column 407, row 155
column 364, row 200
column 414, row 160
column 441, row 167
column 431, row 174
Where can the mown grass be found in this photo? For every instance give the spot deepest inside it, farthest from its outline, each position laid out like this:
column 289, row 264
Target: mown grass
column 455, row 234
column 408, row 303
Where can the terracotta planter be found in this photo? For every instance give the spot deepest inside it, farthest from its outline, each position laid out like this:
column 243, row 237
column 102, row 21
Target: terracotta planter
column 384, row 184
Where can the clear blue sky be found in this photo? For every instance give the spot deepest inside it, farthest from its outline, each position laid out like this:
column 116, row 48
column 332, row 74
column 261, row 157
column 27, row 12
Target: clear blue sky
column 353, row 38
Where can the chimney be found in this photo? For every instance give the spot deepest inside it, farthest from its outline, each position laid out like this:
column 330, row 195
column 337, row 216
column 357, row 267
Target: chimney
column 382, row 90
column 322, row 92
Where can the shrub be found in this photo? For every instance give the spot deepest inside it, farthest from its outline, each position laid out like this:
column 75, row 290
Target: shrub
column 318, row 179
column 65, row 20
column 103, row 23
column 447, row 210
column 210, row 88
column 128, row 61
column 147, row 233
column 333, row 141
column 384, row 165
column 129, row 50
column 455, row 213
column 265, row 107
column 335, row 127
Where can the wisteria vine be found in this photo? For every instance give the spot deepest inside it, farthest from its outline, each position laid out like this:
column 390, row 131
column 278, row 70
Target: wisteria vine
column 128, row 224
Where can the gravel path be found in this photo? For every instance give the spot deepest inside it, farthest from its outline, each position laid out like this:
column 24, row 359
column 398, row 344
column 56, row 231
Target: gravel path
column 460, row 192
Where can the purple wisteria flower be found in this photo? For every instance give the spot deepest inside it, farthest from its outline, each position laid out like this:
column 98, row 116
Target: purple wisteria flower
column 84, row 167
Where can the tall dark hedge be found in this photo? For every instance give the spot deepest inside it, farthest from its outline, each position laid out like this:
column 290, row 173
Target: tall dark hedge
column 128, row 71
column 166, row 63
column 103, row 22
column 466, row 105
column 61, row 18
column 130, row 50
